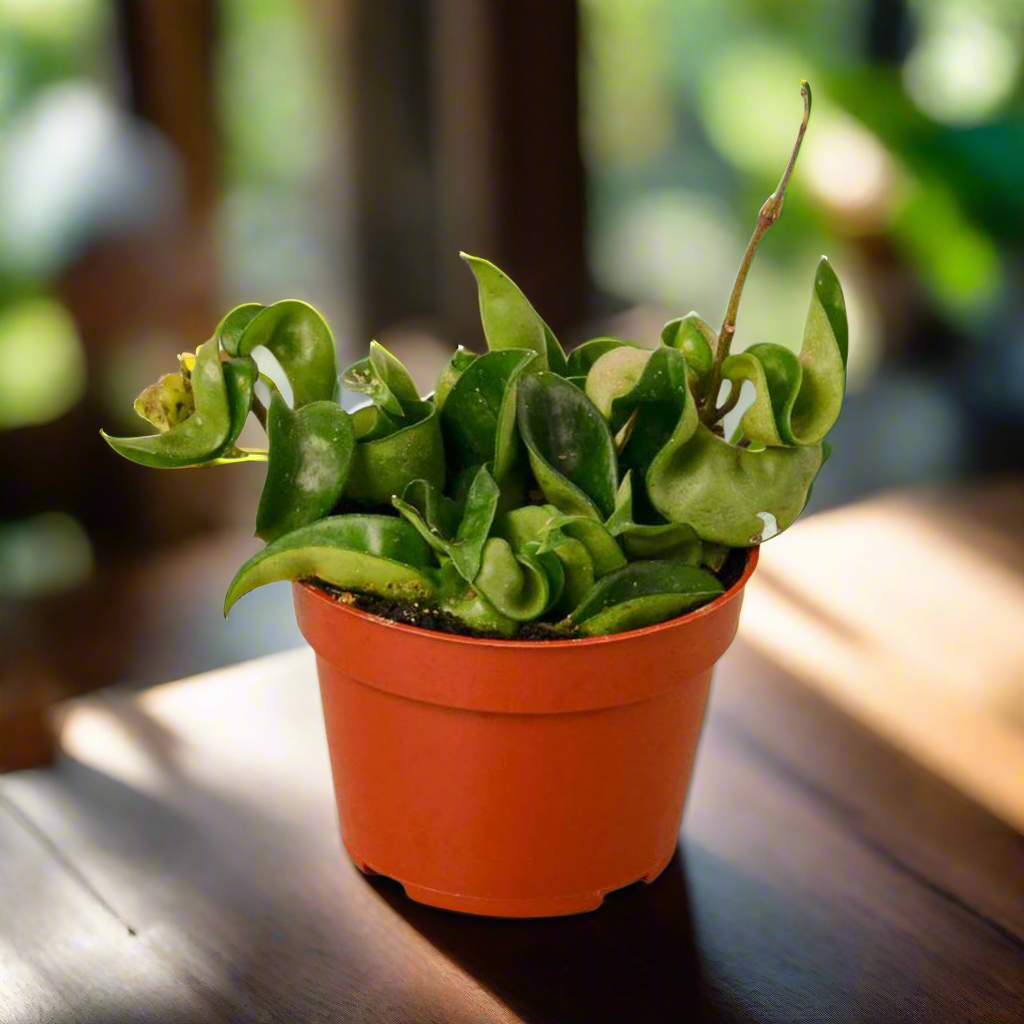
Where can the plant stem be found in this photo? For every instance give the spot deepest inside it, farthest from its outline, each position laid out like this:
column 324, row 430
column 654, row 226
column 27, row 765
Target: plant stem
column 261, row 412
column 765, row 219
column 728, row 405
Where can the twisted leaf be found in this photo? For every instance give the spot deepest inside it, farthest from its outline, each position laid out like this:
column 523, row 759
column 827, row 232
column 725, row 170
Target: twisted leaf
column 466, row 550
column 384, row 467
column 466, row 546
column 296, row 334
column 570, row 448
column 643, row 594
column 204, row 435
column 534, row 528
column 434, row 516
column 458, row 598
column 605, row 552
column 383, row 379
column 696, row 339
column 641, row 540
column 240, row 375
column 652, row 409
column 523, row 586
column 798, row 398
column 478, row 417
column 729, row 495
column 371, row 423
column 310, row 453
column 380, row 555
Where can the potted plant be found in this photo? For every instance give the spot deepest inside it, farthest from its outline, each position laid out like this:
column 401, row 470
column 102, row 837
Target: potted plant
column 517, row 586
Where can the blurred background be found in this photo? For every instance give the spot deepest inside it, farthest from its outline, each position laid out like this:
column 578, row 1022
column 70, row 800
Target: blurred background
column 160, row 162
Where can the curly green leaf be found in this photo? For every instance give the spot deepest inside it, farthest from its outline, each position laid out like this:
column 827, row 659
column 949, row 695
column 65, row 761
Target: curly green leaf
column 298, row 337
column 479, row 414
column 798, row 398
column 201, row 437
column 434, row 515
column 645, row 541
column 696, row 339
column 570, row 447
column 731, row 495
column 522, row 587
column 380, row 555
column 310, row 453
column 460, row 599
column 643, row 594
column 383, row 467
column 383, row 379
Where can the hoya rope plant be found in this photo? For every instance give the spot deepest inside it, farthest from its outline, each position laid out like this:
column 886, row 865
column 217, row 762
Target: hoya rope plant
column 593, row 492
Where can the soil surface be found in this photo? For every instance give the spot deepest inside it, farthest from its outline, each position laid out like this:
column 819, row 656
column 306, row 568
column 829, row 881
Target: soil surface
column 425, row 617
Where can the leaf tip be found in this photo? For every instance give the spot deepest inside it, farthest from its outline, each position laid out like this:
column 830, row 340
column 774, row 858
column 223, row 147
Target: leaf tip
column 805, row 91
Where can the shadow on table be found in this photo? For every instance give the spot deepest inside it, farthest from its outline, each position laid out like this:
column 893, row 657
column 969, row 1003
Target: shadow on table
column 635, row 959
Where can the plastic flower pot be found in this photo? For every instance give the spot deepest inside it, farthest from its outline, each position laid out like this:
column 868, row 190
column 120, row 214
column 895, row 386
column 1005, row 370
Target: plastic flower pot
column 513, row 779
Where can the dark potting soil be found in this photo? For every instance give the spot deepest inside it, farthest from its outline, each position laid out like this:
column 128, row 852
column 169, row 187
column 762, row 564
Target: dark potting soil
column 425, row 617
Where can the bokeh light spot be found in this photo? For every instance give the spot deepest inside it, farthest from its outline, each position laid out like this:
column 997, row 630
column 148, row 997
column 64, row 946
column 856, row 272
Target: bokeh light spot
column 964, row 66
column 42, row 363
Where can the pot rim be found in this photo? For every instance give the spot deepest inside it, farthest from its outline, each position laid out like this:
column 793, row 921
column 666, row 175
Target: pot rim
column 533, row 645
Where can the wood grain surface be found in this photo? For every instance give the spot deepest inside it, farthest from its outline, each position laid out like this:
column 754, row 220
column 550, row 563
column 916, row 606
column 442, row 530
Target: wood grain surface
column 181, row 863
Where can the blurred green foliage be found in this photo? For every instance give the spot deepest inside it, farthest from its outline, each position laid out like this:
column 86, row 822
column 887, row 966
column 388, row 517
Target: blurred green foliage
column 44, row 45
column 916, row 148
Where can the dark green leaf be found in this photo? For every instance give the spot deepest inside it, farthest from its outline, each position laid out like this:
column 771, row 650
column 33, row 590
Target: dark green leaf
column 240, row 380
column 384, row 467
column 310, row 454
column 478, row 418
column 643, row 594
column 571, row 450
column 298, row 337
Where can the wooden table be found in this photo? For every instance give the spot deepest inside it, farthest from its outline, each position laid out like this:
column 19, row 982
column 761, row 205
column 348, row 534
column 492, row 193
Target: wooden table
column 181, row 863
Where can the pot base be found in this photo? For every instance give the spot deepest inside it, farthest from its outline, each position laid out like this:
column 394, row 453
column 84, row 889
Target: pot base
column 497, row 906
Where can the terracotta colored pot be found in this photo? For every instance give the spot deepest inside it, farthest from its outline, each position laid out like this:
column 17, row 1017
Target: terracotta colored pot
column 509, row 778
